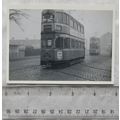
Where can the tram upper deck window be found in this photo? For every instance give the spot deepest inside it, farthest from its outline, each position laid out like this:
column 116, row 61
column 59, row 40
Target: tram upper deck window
column 59, row 17
column 79, row 28
column 82, row 29
column 59, row 43
column 67, row 20
column 48, row 17
column 64, row 18
column 75, row 25
column 71, row 23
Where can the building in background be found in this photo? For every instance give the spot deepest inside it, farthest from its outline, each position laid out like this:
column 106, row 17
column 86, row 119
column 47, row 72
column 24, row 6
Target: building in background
column 32, row 42
column 106, row 44
column 20, row 48
column 16, row 51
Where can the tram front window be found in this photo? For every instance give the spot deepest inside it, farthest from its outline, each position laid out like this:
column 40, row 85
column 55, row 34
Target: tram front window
column 59, row 43
column 46, row 43
column 48, row 17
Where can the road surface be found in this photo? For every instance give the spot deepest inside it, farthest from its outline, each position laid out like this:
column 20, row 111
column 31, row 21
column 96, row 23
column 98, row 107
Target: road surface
column 93, row 68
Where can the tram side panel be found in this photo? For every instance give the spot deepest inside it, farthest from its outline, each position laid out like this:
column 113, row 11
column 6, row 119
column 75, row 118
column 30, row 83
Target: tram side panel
column 72, row 54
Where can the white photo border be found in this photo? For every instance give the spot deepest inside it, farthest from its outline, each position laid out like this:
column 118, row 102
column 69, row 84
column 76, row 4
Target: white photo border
column 66, row 7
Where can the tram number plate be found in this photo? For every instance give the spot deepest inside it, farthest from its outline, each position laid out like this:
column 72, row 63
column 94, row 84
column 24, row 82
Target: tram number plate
column 59, row 55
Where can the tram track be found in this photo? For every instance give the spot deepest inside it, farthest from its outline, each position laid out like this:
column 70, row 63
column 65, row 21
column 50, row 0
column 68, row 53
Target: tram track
column 24, row 68
column 71, row 75
column 82, row 74
column 79, row 76
column 86, row 65
column 78, row 71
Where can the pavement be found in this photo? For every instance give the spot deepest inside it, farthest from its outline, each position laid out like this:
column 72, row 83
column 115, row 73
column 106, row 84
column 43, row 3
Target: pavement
column 93, row 68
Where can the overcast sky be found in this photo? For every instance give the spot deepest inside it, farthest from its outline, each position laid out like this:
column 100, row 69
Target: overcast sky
column 96, row 23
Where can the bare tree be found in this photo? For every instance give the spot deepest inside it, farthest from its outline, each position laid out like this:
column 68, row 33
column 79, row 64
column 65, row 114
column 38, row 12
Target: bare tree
column 16, row 15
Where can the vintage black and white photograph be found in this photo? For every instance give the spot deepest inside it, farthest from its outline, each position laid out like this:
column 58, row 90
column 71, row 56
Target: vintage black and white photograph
column 60, row 45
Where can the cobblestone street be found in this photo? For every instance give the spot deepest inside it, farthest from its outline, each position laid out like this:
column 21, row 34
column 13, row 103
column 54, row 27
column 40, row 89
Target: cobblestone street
column 93, row 68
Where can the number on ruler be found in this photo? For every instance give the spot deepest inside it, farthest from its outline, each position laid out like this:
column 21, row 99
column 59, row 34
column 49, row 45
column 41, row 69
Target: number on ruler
column 86, row 111
column 52, row 111
column 77, row 111
column 17, row 110
column 25, row 111
column 95, row 111
column 111, row 111
column 103, row 111
column 69, row 111
column 61, row 111
column 34, row 111
column 43, row 111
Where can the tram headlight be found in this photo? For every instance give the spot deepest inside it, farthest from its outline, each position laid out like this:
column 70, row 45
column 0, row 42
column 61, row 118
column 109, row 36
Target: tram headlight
column 59, row 55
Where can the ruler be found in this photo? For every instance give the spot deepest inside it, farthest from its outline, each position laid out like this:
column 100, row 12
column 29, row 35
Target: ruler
column 28, row 102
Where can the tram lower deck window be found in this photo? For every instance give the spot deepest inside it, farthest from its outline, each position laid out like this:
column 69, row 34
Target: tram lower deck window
column 59, row 43
column 72, row 43
column 46, row 43
column 66, row 43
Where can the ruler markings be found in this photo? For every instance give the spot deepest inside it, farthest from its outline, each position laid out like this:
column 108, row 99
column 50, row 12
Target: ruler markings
column 59, row 91
column 60, row 102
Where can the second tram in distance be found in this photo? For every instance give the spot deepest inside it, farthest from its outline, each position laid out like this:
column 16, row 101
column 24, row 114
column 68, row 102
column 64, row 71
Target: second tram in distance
column 94, row 46
column 62, row 38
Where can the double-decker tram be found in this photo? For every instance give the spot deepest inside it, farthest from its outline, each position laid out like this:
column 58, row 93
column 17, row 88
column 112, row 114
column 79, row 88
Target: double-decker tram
column 94, row 46
column 62, row 38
